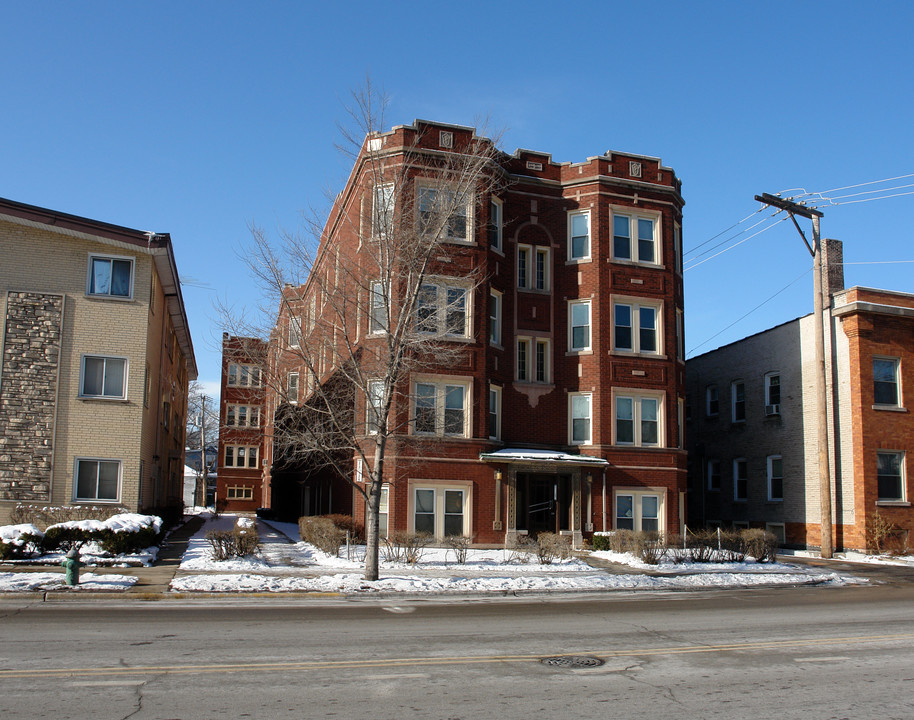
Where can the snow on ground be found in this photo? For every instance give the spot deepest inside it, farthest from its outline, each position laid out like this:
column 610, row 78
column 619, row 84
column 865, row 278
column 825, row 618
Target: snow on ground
column 285, row 564
column 38, row 581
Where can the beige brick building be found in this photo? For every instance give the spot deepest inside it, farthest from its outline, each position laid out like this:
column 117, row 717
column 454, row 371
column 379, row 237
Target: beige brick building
column 95, row 359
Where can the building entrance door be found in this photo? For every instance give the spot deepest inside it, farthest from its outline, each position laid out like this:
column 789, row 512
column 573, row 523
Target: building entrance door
column 543, row 503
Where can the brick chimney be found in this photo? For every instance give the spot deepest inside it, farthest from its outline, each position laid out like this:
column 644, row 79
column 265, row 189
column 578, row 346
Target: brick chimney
column 833, row 263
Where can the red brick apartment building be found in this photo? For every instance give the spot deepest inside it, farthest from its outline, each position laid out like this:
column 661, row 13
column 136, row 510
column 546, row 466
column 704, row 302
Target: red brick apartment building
column 559, row 296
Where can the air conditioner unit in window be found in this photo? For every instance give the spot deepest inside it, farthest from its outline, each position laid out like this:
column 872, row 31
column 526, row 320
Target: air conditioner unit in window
column 773, row 409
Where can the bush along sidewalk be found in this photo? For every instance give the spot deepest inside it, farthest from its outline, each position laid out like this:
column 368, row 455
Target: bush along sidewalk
column 701, row 546
column 240, row 541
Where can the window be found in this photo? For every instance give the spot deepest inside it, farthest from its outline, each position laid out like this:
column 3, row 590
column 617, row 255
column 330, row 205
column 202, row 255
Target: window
column 242, row 415
column 103, row 377
column 166, row 413
column 110, row 277
column 239, row 492
column 637, row 420
column 712, row 403
column 579, row 320
column 740, row 479
column 440, row 408
column 495, row 224
column 772, row 394
column 779, row 532
column 241, row 456
column 523, row 359
column 495, row 317
column 443, row 212
column 541, row 362
column 677, row 247
column 98, row 480
column 523, row 266
column 714, row 475
column 443, row 310
column 384, row 511
column 579, row 410
column 377, row 320
column 375, row 399
column 541, row 270
column 643, row 230
column 635, row 328
column 494, row 412
column 533, row 360
column 440, row 512
column 680, row 336
column 889, row 474
column 382, row 208
column 638, row 511
column 292, row 388
column 579, row 236
column 775, row 478
column 738, row 401
column 885, row 382
column 295, row 328
column 243, row 375
column 532, row 268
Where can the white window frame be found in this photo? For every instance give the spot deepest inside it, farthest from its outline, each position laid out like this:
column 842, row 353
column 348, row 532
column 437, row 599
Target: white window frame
column 680, row 335
column 779, row 530
column 295, row 331
column 105, row 358
column 377, row 309
column 572, row 257
column 768, row 385
column 637, row 398
column 713, row 472
column 635, row 305
column 522, row 359
column 637, row 496
column 495, row 317
column 571, row 346
column 495, row 412
column 902, row 475
column 710, row 390
column 423, row 186
column 442, row 306
column 240, row 371
column 293, row 387
column 120, row 472
column 530, row 279
column 384, row 510
column 677, row 247
column 735, row 386
column 440, row 490
column 770, row 462
column 111, row 259
column 896, row 367
column 382, row 208
column 572, row 417
column 441, row 385
column 373, row 401
column 737, row 462
column 239, row 492
column 247, row 456
column 524, row 266
column 234, row 412
column 634, row 216
column 496, row 223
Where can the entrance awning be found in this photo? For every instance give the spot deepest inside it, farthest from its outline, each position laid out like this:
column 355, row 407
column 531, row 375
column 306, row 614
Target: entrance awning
column 525, row 455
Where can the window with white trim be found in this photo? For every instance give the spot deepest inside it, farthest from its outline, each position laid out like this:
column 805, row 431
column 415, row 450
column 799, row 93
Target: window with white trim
column 533, row 360
column 103, row 377
column 441, row 408
column 738, row 401
column 639, row 511
column 295, row 328
column 495, row 223
column 772, row 393
column 440, row 511
column 292, row 387
column 680, row 336
column 239, row 492
column 890, row 476
column 494, row 412
column 110, row 277
column 579, row 235
column 579, row 324
column 636, row 328
column 779, row 532
column 242, row 415
column 532, row 267
column 241, row 456
column 712, row 401
column 495, row 312
column 241, row 375
column 97, row 480
column 638, row 420
column 635, row 238
column 677, row 247
column 740, row 479
column 384, row 511
column 443, row 309
column 579, row 412
column 377, row 317
column 775, row 478
column 713, row 472
column 442, row 210
column 885, row 381
column 382, row 209
column 373, row 406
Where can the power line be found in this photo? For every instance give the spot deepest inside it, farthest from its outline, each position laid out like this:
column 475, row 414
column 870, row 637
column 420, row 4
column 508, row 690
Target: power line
column 691, row 250
column 737, row 244
column 872, row 182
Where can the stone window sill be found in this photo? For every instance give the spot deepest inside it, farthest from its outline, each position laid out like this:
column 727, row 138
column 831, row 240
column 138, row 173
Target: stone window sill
column 890, row 408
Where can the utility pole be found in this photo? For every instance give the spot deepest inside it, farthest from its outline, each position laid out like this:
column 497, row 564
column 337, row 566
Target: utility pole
column 203, row 474
column 793, row 209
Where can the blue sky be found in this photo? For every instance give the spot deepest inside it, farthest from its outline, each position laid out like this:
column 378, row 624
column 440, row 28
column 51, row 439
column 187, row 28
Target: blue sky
column 201, row 118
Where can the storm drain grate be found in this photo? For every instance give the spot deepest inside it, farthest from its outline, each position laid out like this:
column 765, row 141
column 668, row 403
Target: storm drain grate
column 572, row 661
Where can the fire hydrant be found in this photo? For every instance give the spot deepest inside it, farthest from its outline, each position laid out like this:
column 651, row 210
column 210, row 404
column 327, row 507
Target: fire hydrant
column 72, row 565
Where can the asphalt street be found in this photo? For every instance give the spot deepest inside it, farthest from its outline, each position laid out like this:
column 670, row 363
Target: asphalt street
column 790, row 653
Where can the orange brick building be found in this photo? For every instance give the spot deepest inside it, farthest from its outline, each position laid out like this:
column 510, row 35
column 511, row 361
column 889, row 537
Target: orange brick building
column 557, row 304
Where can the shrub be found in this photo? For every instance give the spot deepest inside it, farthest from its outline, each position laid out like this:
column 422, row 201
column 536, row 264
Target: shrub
column 600, row 542
column 701, row 545
column 323, row 533
column 348, row 523
column 879, row 532
column 65, row 538
column 460, row 544
column 44, row 516
column 121, row 542
column 760, row 544
column 405, row 547
column 521, row 550
column 228, row 544
column 650, row 547
column 551, row 546
column 732, row 546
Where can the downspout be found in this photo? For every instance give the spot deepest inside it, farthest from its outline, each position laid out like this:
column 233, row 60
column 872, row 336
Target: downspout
column 604, row 500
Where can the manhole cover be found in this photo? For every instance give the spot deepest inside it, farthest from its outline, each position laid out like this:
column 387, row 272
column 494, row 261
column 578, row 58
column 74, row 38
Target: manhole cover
column 572, row 661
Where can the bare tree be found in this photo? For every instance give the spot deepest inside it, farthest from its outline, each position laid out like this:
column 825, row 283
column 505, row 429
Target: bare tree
column 391, row 278
column 202, row 430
